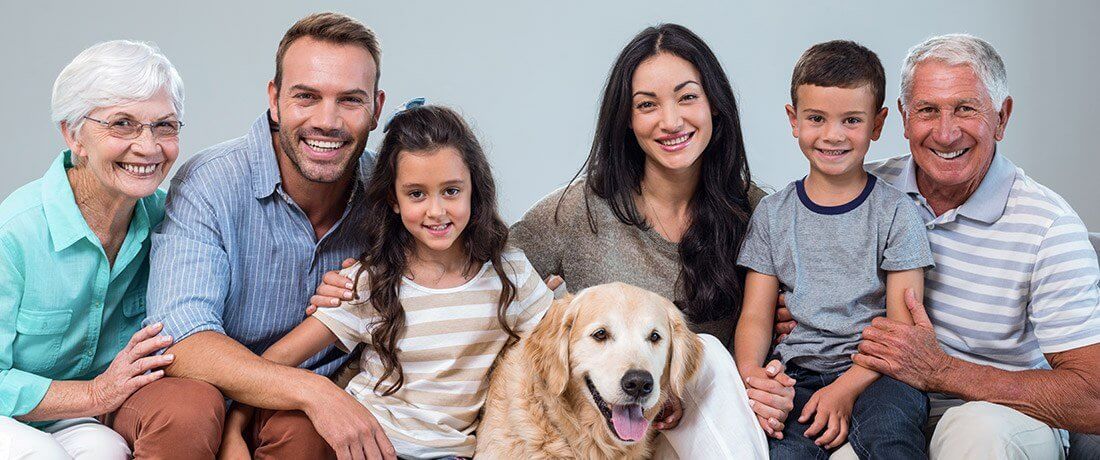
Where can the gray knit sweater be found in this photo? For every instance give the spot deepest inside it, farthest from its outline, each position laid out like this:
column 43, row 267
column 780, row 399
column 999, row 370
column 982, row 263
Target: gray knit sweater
column 617, row 252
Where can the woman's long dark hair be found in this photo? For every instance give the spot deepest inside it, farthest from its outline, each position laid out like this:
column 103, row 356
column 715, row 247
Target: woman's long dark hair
column 712, row 283
column 415, row 131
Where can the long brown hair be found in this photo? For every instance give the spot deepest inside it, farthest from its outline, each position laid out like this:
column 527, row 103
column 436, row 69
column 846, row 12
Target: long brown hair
column 424, row 129
column 712, row 284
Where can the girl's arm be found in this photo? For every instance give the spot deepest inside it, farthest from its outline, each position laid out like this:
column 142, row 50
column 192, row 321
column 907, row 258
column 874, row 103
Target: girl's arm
column 306, row 340
column 753, row 337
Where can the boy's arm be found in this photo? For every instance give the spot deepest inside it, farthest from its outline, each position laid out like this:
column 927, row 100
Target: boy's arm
column 858, row 378
column 753, row 336
column 771, row 392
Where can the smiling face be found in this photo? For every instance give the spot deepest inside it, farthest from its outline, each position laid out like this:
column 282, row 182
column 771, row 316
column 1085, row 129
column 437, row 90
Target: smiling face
column 952, row 125
column 835, row 127
column 621, row 342
column 133, row 168
column 670, row 115
column 433, row 197
column 326, row 106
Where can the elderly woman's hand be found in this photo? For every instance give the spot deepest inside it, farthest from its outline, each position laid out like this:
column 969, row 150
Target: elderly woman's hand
column 127, row 373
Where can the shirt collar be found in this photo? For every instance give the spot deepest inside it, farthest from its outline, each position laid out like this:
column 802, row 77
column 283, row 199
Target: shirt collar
column 63, row 218
column 988, row 202
column 265, row 167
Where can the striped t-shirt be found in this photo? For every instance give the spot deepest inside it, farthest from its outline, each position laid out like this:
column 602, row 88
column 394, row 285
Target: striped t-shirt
column 1015, row 275
column 452, row 337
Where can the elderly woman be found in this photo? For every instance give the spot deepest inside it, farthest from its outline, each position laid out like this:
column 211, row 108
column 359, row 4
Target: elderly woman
column 73, row 257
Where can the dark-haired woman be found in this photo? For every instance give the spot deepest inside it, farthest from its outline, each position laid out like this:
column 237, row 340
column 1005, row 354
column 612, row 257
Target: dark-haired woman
column 664, row 203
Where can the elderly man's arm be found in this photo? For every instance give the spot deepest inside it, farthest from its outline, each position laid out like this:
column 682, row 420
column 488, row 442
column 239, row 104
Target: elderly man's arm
column 1066, row 396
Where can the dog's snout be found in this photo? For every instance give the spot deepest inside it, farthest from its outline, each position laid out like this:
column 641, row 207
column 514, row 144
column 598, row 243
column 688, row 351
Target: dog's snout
column 637, row 383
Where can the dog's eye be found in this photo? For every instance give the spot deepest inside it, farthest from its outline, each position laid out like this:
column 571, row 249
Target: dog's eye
column 654, row 337
column 600, row 335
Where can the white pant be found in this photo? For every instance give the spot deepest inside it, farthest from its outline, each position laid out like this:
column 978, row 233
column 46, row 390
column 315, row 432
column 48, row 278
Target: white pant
column 718, row 422
column 981, row 430
column 80, row 438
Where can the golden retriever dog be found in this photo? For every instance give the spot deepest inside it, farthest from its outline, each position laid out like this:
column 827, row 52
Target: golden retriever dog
column 589, row 380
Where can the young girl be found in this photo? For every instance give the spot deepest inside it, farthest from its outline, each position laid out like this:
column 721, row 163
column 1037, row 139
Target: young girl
column 439, row 294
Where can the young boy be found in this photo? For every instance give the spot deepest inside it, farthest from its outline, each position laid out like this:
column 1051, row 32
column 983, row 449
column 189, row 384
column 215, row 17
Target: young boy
column 845, row 248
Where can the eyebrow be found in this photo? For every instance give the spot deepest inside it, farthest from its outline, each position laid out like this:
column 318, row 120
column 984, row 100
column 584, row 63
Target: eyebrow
column 311, row 89
column 131, row 116
column 850, row 112
column 967, row 100
column 674, row 89
column 447, row 183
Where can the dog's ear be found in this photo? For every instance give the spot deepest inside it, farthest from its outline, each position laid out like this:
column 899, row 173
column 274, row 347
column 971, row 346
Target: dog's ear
column 547, row 347
column 685, row 353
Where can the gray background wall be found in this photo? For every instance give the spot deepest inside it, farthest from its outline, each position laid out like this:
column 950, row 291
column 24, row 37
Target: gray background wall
column 528, row 74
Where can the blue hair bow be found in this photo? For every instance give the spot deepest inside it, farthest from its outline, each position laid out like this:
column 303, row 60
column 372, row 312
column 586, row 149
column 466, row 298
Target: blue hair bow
column 412, row 104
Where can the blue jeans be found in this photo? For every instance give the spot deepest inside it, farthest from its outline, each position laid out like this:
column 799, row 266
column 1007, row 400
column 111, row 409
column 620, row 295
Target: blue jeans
column 887, row 420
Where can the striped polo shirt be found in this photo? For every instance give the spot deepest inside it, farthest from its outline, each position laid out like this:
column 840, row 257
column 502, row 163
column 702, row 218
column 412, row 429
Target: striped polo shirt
column 1015, row 275
column 451, row 339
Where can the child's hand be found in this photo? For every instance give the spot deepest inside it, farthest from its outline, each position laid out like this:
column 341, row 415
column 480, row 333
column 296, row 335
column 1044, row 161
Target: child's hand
column 334, row 288
column 833, row 406
column 771, row 396
column 234, row 446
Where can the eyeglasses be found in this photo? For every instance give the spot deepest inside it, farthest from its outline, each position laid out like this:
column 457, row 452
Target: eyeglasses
column 125, row 128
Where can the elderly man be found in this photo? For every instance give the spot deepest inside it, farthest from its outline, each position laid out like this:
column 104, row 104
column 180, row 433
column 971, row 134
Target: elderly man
column 1009, row 345
column 250, row 226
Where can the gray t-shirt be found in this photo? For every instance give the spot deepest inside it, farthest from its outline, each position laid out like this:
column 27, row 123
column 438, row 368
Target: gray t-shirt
column 568, row 247
column 831, row 261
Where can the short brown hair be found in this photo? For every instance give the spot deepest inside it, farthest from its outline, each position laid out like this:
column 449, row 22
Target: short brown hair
column 334, row 28
column 840, row 64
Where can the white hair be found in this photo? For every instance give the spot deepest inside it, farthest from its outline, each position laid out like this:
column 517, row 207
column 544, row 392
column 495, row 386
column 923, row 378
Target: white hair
column 959, row 49
column 113, row 73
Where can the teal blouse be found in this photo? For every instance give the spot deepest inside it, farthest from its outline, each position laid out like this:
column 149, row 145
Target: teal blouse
column 65, row 312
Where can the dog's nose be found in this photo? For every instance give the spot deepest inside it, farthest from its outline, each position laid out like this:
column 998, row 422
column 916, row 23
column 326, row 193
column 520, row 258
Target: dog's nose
column 637, row 384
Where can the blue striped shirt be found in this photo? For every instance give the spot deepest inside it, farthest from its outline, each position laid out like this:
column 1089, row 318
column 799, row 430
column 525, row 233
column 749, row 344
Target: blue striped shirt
column 1015, row 275
column 237, row 256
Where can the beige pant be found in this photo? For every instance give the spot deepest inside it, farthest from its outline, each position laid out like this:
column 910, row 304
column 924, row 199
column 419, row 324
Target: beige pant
column 980, row 430
column 82, row 438
column 718, row 422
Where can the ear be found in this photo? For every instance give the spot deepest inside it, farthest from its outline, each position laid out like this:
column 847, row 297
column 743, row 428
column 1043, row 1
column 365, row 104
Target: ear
column 880, row 120
column 792, row 115
column 904, row 119
column 1002, row 122
column 273, row 100
column 547, row 347
column 71, row 140
column 685, row 353
column 379, row 100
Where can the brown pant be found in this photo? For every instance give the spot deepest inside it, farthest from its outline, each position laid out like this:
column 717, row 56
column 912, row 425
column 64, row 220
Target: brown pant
column 177, row 418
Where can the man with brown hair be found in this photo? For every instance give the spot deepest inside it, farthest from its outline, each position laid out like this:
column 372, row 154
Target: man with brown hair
column 250, row 226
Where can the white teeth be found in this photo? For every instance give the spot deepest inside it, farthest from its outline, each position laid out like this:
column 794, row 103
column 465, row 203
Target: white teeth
column 438, row 228
column 832, row 152
column 678, row 140
column 324, row 145
column 950, row 155
column 138, row 169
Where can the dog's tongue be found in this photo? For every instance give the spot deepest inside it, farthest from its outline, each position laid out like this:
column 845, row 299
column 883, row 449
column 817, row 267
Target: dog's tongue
column 629, row 422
